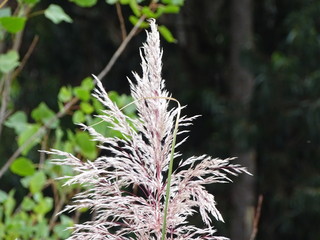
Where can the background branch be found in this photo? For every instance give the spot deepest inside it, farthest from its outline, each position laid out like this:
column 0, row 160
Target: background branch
column 26, row 57
column 3, row 3
column 69, row 105
column 256, row 218
column 41, row 131
column 7, row 78
column 121, row 20
column 119, row 51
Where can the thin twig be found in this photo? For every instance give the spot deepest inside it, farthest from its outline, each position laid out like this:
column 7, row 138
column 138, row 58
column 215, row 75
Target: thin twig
column 44, row 144
column 9, row 76
column 26, row 56
column 3, row 3
column 18, row 40
column 35, row 14
column 256, row 218
column 5, row 99
column 24, row 11
column 102, row 74
column 121, row 20
column 41, row 131
column 20, row 149
column 58, row 206
column 123, row 45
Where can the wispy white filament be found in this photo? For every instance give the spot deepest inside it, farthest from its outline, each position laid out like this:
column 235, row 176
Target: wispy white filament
column 141, row 158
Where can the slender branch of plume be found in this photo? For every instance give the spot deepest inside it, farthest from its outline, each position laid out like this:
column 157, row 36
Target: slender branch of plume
column 143, row 156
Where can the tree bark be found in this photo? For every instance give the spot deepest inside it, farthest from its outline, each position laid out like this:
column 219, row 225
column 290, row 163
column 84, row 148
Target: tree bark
column 241, row 88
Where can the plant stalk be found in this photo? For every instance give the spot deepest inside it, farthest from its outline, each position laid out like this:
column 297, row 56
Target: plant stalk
column 175, row 132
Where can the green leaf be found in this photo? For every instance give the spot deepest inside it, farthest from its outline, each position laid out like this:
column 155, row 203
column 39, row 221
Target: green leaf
column 45, row 115
column 101, row 127
column 97, row 105
column 68, row 146
column 9, row 204
column 30, row 1
column 134, row 20
column 9, row 61
column 78, row 117
column 27, row 204
column 58, row 139
column 113, row 95
column 165, row 32
column 25, row 136
column 148, row 12
column 86, row 107
column 120, row 101
column 42, row 112
column 111, row 1
column 86, row 145
column 167, row 9
column 124, row 100
column 87, row 84
column 13, row 24
column 174, row 2
column 23, row 167
column 172, row 9
column 71, row 136
column 61, row 229
column 3, row 196
column 25, row 182
column 82, row 93
column 83, row 209
column 135, row 8
column 37, row 182
column 17, row 121
column 130, row 110
column 124, row 2
column 38, row 196
column 65, row 94
column 44, row 205
column 56, row 14
column 105, row 128
column 85, row 3
column 42, row 230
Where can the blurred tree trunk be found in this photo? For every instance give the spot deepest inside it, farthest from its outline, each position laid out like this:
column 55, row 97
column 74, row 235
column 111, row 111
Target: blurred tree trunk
column 241, row 88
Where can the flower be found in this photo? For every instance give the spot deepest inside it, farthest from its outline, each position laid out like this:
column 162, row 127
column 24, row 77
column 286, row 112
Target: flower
column 142, row 158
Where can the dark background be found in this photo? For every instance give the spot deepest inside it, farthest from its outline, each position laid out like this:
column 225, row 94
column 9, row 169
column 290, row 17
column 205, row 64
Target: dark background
column 277, row 124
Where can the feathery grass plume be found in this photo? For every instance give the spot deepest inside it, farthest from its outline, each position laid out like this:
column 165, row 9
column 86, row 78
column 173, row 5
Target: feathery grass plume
column 143, row 157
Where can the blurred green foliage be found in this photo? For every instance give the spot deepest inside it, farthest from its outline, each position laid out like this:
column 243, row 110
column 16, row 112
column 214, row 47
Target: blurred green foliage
column 284, row 122
column 288, row 93
column 33, row 217
column 30, row 210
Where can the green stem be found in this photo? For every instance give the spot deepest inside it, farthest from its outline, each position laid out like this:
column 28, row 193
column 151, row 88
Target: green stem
column 164, row 226
column 175, row 131
column 37, row 13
